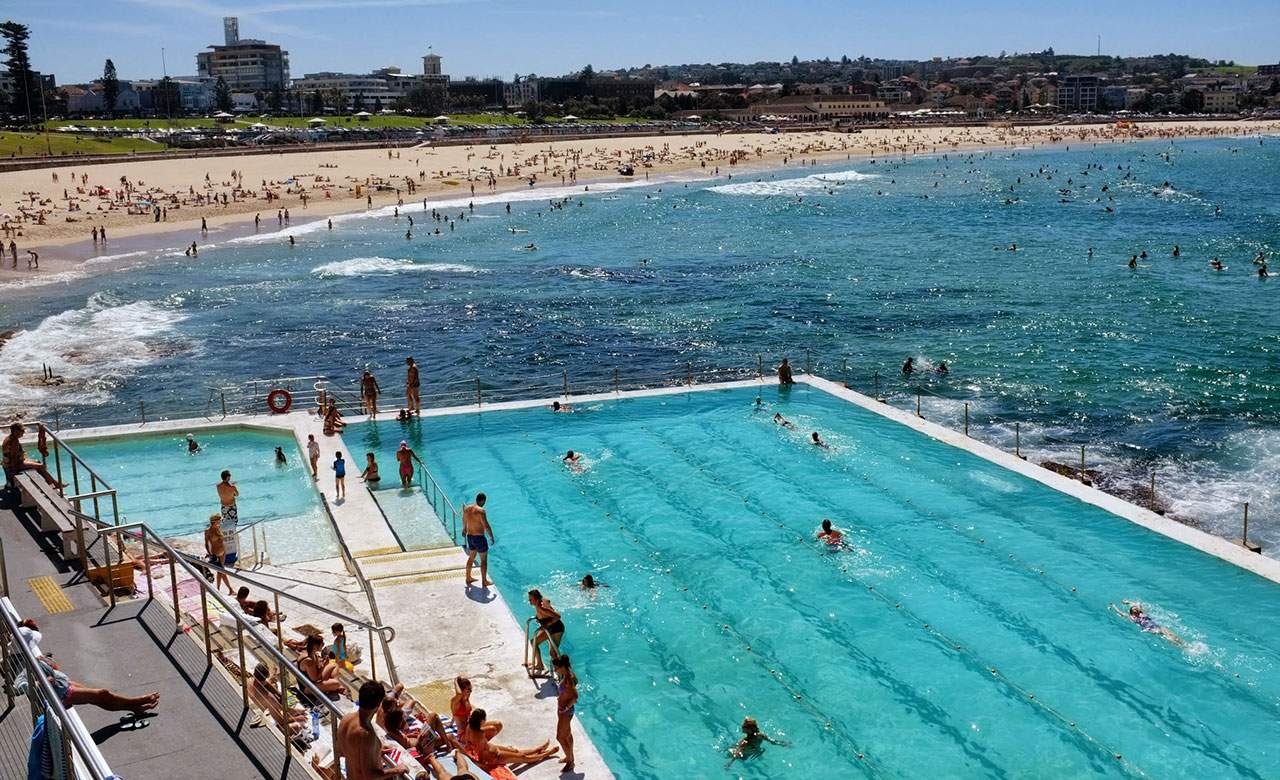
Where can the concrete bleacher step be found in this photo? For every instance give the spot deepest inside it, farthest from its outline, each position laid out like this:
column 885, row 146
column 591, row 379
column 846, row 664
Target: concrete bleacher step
column 382, row 567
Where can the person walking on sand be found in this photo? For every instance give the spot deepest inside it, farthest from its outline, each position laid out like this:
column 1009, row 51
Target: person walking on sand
column 227, row 494
column 475, row 524
column 412, row 387
column 313, row 455
column 369, row 391
column 339, row 477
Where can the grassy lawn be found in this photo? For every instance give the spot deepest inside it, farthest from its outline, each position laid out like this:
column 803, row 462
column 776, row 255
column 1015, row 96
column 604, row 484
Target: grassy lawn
column 31, row 145
column 135, row 124
column 1236, row 70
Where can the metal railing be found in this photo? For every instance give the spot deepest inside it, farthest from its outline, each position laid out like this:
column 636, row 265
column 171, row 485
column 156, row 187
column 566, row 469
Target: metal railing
column 73, row 750
column 446, row 512
column 243, row 625
column 529, row 635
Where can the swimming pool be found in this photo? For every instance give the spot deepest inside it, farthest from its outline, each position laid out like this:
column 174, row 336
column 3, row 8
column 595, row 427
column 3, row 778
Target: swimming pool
column 160, row 483
column 965, row 633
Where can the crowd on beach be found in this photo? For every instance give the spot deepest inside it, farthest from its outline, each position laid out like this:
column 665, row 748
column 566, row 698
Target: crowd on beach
column 74, row 205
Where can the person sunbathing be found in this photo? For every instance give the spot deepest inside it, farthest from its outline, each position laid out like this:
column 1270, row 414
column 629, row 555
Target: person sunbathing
column 73, row 693
column 494, row 759
column 319, row 670
column 460, row 708
column 265, row 693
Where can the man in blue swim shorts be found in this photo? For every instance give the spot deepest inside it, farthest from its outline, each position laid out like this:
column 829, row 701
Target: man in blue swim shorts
column 475, row 524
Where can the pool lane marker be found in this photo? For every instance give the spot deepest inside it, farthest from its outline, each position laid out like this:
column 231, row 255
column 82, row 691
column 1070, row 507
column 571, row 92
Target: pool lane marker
column 51, row 596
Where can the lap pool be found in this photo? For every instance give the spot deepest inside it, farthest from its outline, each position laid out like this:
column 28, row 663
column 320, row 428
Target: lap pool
column 160, row 483
column 964, row 633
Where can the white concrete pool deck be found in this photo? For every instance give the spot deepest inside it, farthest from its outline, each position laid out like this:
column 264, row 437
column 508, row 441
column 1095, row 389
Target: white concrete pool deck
column 445, row 628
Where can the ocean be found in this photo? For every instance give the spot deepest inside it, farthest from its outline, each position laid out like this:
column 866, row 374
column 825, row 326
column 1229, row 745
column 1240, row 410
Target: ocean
column 1168, row 368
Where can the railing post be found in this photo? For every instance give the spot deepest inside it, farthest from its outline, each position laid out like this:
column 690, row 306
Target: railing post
column 4, row 580
column 84, row 554
column 204, row 621
column 759, row 366
column 57, row 464
column 564, row 378
column 146, row 566
column 373, row 659
column 688, row 368
column 807, row 367
column 921, row 416
column 173, row 583
column 966, row 418
column 1017, row 440
column 279, row 627
column 1153, row 491
column 876, row 383
column 616, row 388
column 479, row 398
column 111, row 579
column 1081, row 462
column 1244, row 533
column 244, row 673
column 284, row 712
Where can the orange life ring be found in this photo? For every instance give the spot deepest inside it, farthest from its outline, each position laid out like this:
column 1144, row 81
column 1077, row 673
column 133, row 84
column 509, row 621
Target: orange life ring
column 279, row 401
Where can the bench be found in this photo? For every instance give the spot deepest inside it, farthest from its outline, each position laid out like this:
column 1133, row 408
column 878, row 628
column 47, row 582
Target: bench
column 121, row 576
column 53, row 510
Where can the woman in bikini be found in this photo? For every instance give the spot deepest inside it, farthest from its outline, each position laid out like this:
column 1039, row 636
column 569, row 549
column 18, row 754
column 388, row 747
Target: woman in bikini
column 495, row 758
column 460, row 708
column 566, row 700
column 551, row 631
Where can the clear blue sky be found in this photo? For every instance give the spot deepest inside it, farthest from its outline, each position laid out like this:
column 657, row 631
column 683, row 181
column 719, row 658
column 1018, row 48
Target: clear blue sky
column 71, row 38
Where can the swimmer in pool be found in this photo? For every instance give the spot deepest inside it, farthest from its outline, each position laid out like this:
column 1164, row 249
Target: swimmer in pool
column 759, row 404
column 752, row 742
column 193, row 446
column 589, row 583
column 818, row 442
column 784, row 422
column 830, row 534
column 573, row 460
column 560, row 408
column 1138, row 615
column 280, row 458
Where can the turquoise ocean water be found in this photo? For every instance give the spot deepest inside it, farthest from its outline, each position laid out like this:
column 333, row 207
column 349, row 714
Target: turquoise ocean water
column 1169, row 367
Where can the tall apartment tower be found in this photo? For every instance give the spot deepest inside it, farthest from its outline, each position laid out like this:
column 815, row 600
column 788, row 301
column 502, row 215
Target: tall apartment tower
column 231, row 30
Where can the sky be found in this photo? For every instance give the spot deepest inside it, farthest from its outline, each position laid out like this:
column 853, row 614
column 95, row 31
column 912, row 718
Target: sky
column 72, row 38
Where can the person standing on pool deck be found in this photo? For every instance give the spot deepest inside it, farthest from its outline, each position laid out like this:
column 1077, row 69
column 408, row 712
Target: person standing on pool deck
column 227, row 493
column 475, row 524
column 784, row 373
column 313, row 455
column 369, row 391
column 412, row 387
column 566, row 701
column 339, row 476
column 216, row 551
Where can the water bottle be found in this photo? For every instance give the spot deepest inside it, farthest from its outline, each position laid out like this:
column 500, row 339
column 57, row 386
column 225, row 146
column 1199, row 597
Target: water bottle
column 315, row 725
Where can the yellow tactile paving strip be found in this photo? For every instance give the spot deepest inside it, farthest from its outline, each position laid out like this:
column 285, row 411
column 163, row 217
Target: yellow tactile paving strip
column 375, row 552
column 50, row 595
column 391, row 582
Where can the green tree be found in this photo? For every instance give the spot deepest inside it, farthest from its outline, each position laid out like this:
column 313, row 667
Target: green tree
column 110, row 87
column 428, row 99
column 276, row 99
column 167, row 96
column 18, row 62
column 357, row 102
column 377, row 104
column 315, row 104
column 222, row 95
column 587, row 73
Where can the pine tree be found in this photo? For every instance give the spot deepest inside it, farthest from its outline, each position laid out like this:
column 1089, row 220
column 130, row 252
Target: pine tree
column 18, row 63
column 222, row 95
column 110, row 87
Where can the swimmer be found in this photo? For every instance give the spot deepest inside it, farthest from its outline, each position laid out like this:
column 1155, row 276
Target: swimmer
column 560, row 408
column 1133, row 262
column 1138, row 615
column 942, row 369
column 784, row 422
column 818, row 442
column 589, row 583
column 909, row 367
column 1177, row 251
column 752, row 742
column 193, row 446
column 759, row 405
column 280, row 458
column 531, row 247
column 830, row 534
column 1013, row 247
column 573, row 460
column 1262, row 271
column 1217, row 265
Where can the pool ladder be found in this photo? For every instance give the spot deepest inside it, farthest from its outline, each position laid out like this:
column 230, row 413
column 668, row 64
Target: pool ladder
column 547, row 672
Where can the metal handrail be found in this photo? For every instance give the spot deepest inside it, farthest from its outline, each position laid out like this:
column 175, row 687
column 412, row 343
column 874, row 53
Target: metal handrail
column 274, row 651
column 528, row 647
column 41, row 694
column 435, row 494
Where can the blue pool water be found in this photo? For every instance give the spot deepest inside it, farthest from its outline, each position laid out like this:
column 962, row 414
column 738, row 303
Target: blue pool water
column 1169, row 367
column 966, row 633
column 174, row 492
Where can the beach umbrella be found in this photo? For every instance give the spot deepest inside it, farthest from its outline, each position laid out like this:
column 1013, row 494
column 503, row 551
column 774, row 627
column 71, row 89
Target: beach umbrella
column 569, row 118
column 315, row 120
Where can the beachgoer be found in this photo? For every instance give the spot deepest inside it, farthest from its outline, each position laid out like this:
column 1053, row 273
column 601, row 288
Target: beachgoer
column 412, row 387
column 475, row 524
column 216, row 551
column 1217, row 265
column 280, row 458
column 942, row 369
column 339, row 476
column 909, row 367
column 369, row 391
column 589, row 583
column 818, row 442
column 489, row 756
column 193, row 446
column 74, row 693
column 560, row 408
column 830, row 534
column 784, row 422
column 358, row 742
column 313, row 455
column 784, row 373
column 227, row 494
column 566, row 701
column 550, row 631
column 406, row 457
column 752, row 742
column 370, row 473
column 15, row 457
column 460, row 709
column 573, row 460
column 339, row 646
column 1139, row 616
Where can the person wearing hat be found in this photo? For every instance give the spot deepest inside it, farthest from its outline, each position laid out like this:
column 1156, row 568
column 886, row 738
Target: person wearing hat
column 193, row 446
column 406, row 457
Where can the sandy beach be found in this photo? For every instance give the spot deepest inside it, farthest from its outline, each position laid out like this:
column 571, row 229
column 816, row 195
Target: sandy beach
column 162, row 203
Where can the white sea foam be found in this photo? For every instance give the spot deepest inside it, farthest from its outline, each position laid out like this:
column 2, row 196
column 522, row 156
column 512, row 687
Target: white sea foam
column 80, row 271
column 91, row 351
column 804, row 185
column 385, row 266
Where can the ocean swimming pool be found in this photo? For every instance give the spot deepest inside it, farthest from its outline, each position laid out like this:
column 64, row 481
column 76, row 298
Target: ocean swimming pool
column 965, row 633
column 160, row 483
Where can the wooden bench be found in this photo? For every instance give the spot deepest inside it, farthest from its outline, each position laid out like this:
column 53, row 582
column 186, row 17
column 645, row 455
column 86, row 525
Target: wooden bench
column 121, row 576
column 53, row 510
